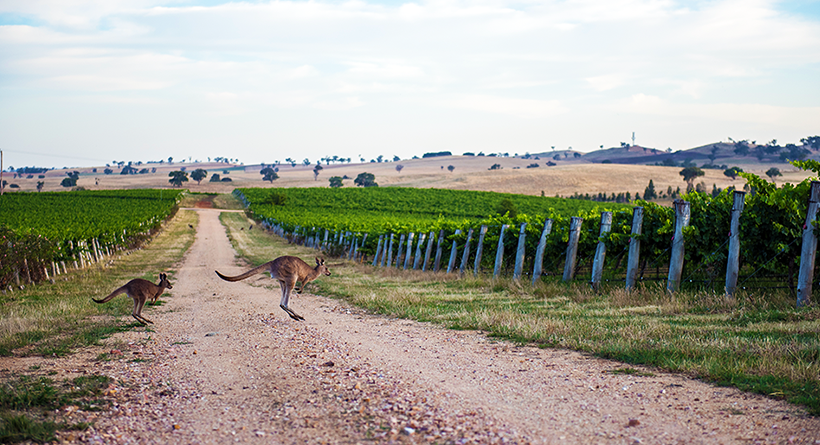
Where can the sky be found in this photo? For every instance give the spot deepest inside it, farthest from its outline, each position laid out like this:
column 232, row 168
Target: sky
column 91, row 82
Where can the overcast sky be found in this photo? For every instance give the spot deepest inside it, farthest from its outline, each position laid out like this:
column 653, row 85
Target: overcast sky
column 88, row 82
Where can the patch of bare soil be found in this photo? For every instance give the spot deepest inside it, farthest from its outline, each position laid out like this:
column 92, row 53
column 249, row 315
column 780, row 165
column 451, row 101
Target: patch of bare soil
column 224, row 364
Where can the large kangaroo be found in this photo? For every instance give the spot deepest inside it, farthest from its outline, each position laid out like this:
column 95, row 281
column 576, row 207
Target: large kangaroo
column 141, row 291
column 288, row 270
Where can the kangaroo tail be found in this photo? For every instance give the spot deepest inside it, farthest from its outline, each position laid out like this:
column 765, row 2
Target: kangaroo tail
column 121, row 290
column 247, row 274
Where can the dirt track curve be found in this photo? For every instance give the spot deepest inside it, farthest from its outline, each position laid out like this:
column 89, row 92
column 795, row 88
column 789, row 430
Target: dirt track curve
column 226, row 365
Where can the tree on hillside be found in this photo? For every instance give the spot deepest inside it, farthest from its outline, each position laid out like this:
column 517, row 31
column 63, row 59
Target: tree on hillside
column 732, row 172
column 399, row 167
column 813, row 142
column 198, row 175
column 290, row 161
column 71, row 180
column 177, row 178
column 316, row 170
column 269, row 174
column 649, row 192
column 451, row 168
column 40, row 185
column 366, row 180
column 215, row 178
column 773, row 173
column 742, row 148
column 690, row 173
column 336, row 181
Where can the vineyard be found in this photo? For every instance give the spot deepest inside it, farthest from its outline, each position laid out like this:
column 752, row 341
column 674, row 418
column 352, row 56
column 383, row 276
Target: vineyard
column 44, row 231
column 382, row 223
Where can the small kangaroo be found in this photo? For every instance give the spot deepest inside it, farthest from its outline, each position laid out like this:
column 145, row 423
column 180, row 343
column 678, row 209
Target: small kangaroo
column 141, row 291
column 288, row 270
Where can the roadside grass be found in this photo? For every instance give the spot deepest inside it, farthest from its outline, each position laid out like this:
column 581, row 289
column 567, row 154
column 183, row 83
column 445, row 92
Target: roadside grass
column 54, row 319
column 756, row 343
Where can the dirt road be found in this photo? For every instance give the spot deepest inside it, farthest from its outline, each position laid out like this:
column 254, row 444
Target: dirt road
column 224, row 364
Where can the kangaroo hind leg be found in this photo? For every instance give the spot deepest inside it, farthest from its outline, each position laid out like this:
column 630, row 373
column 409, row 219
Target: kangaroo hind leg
column 287, row 287
column 137, row 312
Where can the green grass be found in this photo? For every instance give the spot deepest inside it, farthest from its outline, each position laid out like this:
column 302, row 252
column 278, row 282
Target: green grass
column 55, row 319
column 758, row 343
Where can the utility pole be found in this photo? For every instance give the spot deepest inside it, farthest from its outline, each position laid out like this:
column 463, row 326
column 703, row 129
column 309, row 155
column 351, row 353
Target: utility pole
column 633, row 138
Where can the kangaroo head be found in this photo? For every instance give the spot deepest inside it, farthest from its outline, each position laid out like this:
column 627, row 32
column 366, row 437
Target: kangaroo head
column 320, row 266
column 163, row 281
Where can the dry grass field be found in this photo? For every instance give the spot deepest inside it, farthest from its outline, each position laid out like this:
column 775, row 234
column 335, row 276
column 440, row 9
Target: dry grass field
column 470, row 173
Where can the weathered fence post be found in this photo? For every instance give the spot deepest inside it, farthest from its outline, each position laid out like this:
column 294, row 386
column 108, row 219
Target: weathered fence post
column 600, row 251
column 809, row 250
column 419, row 245
column 572, row 247
column 453, row 252
column 499, row 253
column 429, row 251
column 378, row 251
column 539, row 251
column 439, row 248
column 466, row 255
column 519, row 254
column 409, row 250
column 479, row 250
column 398, row 251
column 733, row 262
column 389, row 252
column 634, row 248
column 676, row 262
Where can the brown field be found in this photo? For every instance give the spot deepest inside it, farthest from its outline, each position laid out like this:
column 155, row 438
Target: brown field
column 471, row 173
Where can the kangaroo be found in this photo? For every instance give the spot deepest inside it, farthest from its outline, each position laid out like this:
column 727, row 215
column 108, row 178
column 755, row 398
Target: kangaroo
column 288, row 270
column 141, row 291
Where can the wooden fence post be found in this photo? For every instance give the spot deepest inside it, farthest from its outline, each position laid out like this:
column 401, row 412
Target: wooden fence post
column 479, row 250
column 409, row 250
column 676, row 262
column 378, row 251
column 453, row 252
column 539, row 251
column 466, row 255
column 439, row 248
column 733, row 261
column 419, row 245
column 572, row 247
column 600, row 251
column 398, row 251
column 519, row 254
column 429, row 250
column 499, row 253
column 634, row 249
column 809, row 250
column 389, row 252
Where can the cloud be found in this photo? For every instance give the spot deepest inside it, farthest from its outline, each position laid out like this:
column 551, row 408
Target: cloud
column 523, row 108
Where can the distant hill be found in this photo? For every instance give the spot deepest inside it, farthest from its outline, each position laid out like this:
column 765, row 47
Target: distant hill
column 715, row 155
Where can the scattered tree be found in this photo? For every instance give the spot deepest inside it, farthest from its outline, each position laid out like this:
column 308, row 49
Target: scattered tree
column 108, row 171
column 690, row 173
column 366, row 180
column 269, row 174
column 396, row 159
column 215, row 178
column 336, row 181
column 178, row 177
column 71, row 180
column 649, row 192
column 813, row 142
column 732, row 172
column 318, row 168
column 40, row 185
column 399, row 167
column 495, row 167
column 451, row 168
column 197, row 175
column 773, row 173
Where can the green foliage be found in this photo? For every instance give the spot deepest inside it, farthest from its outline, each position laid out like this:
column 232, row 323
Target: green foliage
column 649, row 192
column 336, row 181
column 177, row 178
column 365, row 180
column 773, row 173
column 507, row 208
column 198, row 175
column 732, row 172
column 690, row 173
column 269, row 174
